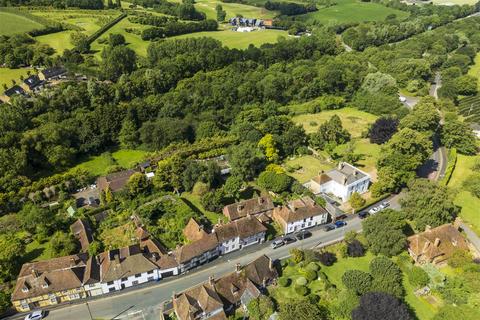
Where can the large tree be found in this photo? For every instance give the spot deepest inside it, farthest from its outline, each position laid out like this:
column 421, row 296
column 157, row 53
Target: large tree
column 358, row 281
column 116, row 61
column 423, row 117
column 246, row 160
column 383, row 129
column 260, row 308
column 457, row 134
column 380, row 306
column 11, row 251
column 331, row 133
column 387, row 276
column 302, row 310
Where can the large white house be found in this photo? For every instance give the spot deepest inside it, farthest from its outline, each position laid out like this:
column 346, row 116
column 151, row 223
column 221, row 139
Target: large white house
column 299, row 214
column 340, row 182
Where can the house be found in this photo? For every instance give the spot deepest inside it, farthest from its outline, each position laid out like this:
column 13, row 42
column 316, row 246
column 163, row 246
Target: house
column 10, row 92
column 50, row 282
column 436, row 245
column 194, row 231
column 268, row 23
column 340, row 182
column 115, row 181
column 32, row 83
column 82, row 231
column 52, row 73
column 239, row 233
column 254, row 207
column 299, row 214
column 197, row 252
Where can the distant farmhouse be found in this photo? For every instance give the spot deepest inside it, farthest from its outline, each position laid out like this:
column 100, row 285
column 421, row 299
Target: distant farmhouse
column 340, row 182
column 241, row 24
column 10, row 92
column 32, row 84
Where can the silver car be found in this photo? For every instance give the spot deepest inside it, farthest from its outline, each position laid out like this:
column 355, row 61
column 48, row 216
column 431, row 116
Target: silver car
column 35, row 315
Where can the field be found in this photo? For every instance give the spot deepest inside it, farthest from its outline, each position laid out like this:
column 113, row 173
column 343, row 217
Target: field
column 12, row 23
column 475, row 69
column 233, row 10
column 7, row 75
column 346, row 11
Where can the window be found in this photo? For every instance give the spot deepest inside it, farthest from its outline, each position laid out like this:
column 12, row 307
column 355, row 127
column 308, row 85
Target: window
column 138, row 275
column 109, row 283
column 24, row 289
column 150, row 278
column 124, row 279
column 134, row 283
column 150, row 272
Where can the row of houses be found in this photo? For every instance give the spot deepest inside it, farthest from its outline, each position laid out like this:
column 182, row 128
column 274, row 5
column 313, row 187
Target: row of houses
column 34, row 83
column 250, row 22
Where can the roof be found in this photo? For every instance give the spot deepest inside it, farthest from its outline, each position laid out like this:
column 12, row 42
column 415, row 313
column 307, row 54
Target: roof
column 32, row 81
column 158, row 254
column 194, row 302
column 14, row 90
column 115, row 181
column 261, row 270
column 298, row 210
column 189, row 251
column 53, row 72
column 92, row 271
column 49, row 276
column 346, row 174
column 193, row 231
column 441, row 241
column 242, row 228
column 251, row 206
column 83, row 233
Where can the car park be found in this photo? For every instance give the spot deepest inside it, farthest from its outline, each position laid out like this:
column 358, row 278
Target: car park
column 277, row 243
column 303, row 234
column 288, row 240
column 340, row 223
column 35, row 315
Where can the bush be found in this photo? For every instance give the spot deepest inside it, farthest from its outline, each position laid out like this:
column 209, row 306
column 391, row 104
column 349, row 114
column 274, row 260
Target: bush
column 200, row 188
column 301, row 281
column 311, row 275
column 275, row 182
column 301, row 290
column 291, row 263
column 313, row 266
column 355, row 249
column 297, row 255
column 418, row 277
column 313, row 123
column 327, row 258
column 284, row 282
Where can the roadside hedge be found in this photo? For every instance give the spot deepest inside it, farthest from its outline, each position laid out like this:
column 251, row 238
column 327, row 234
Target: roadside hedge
column 452, row 162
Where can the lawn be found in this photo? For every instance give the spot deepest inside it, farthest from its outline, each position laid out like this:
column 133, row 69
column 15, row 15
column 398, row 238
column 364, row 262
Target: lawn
column 475, row 69
column 239, row 40
column 35, row 251
column 119, row 237
column 355, row 121
column 194, row 202
column 233, row 10
column 347, row 11
column 336, row 271
column 12, row 23
column 58, row 41
column 7, row 75
column 309, row 167
column 369, row 154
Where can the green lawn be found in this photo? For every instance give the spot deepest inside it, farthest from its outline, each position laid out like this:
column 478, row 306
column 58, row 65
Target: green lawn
column 475, row 69
column 369, row 154
column 35, row 251
column 58, row 41
column 336, row 271
column 233, row 10
column 355, row 121
column 346, row 11
column 194, row 200
column 7, row 75
column 12, row 23
column 310, row 166
column 239, row 40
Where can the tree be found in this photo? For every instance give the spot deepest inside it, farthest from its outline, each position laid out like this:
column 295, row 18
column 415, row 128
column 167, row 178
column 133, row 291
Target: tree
column 109, row 198
column 207, row 129
column 128, row 135
column 80, row 41
column 116, row 61
column 358, row 281
column 418, row 277
column 297, row 255
column 62, row 244
column 387, row 276
column 137, row 184
column 460, row 258
column 302, row 310
column 355, row 248
column 267, row 145
column 329, row 132
column 428, row 204
column 116, row 39
column 457, row 134
column 466, row 85
column 192, row 174
column 232, row 187
column 423, row 117
column 274, row 182
column 221, row 14
column 246, row 161
column 383, row 129
column 213, row 200
column 384, row 232
column 169, row 174
column 356, row 201
column 260, row 308
column 11, row 251
column 380, row 306
column 327, row 258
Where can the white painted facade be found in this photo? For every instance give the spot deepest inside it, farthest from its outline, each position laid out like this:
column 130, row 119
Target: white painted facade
column 130, row 281
column 237, row 243
column 305, row 223
column 207, row 256
column 94, row 289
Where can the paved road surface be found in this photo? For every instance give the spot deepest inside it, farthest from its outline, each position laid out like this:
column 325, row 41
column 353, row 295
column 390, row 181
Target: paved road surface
column 145, row 303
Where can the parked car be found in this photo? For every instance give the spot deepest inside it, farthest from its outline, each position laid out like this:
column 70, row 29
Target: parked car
column 288, row 240
column 277, row 243
column 386, row 204
column 340, row 223
column 363, row 214
column 374, row 210
column 329, row 227
column 303, row 234
column 35, row 315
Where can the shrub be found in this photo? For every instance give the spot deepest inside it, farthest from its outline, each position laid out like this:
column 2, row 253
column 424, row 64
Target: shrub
column 311, row 275
column 313, row 266
column 291, row 263
column 200, row 188
column 313, row 123
column 301, row 290
column 355, row 249
column 284, row 282
column 301, row 281
column 418, row 277
column 284, row 263
column 327, row 258
column 297, row 255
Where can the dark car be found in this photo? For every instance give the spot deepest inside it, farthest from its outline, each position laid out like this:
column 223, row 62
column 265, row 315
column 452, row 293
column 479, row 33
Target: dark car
column 288, row 240
column 329, row 227
column 363, row 215
column 303, row 234
column 340, row 223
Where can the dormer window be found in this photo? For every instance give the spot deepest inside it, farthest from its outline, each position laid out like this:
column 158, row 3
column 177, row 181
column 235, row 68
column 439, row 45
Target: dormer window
column 24, row 289
column 45, row 283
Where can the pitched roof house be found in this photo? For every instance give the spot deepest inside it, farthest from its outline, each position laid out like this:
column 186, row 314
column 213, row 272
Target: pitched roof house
column 193, row 230
column 255, row 206
column 31, row 83
column 192, row 254
column 50, row 282
column 198, row 303
column 115, row 181
column 299, row 214
column 83, row 233
column 239, row 233
column 436, row 245
column 52, row 73
column 10, row 92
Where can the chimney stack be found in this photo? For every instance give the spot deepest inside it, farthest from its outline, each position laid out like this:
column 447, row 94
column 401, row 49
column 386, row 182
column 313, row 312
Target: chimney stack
column 35, row 273
column 340, row 165
column 238, row 267
column 211, row 280
column 260, row 200
column 428, row 228
column 344, row 180
column 240, row 207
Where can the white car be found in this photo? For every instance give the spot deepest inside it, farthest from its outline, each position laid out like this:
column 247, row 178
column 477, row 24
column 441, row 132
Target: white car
column 374, row 210
column 402, row 99
column 35, row 315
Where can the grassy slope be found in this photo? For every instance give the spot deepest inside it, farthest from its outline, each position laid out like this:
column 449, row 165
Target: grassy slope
column 233, row 10
column 352, row 11
column 58, row 41
column 475, row 69
column 7, row 75
column 12, row 23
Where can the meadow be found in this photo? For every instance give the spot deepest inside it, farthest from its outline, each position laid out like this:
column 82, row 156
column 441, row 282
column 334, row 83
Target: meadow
column 345, row 11
column 12, row 23
column 7, row 75
column 233, row 10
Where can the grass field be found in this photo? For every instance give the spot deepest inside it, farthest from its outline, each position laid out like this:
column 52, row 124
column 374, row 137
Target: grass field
column 355, row 121
column 7, row 75
column 352, row 11
column 369, row 154
column 310, row 166
column 475, row 69
column 12, row 23
column 233, row 10
column 194, row 200
column 239, row 40
column 58, row 41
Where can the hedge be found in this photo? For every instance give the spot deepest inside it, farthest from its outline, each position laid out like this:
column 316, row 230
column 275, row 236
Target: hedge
column 452, row 162
column 103, row 29
column 284, row 282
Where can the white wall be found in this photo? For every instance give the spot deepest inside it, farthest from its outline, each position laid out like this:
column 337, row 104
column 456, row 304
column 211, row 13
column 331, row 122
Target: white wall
column 308, row 223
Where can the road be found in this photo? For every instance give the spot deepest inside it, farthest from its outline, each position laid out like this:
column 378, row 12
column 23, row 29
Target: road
column 144, row 303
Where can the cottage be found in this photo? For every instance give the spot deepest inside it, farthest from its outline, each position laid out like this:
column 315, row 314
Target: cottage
column 197, row 252
column 115, row 181
column 436, row 245
column 83, row 233
column 254, row 207
column 340, row 182
column 10, row 92
column 194, row 231
column 32, row 83
column 299, row 214
column 52, row 73
column 239, row 233
column 50, row 282
column 199, row 303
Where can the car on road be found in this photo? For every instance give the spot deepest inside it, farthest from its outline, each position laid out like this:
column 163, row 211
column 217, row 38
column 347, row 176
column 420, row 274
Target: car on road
column 374, row 210
column 329, row 227
column 363, row 214
column 277, row 243
column 303, row 234
column 402, row 99
column 340, row 223
column 288, row 240
column 35, row 315
column 385, row 204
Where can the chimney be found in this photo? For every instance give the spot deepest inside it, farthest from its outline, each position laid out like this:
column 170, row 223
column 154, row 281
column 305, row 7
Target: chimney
column 437, row 242
column 344, row 180
column 428, row 228
column 211, row 280
column 240, row 207
column 238, row 267
column 174, row 295
column 264, row 283
column 425, row 246
column 270, row 264
column 35, row 273
column 260, row 200
column 340, row 165
column 355, row 172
